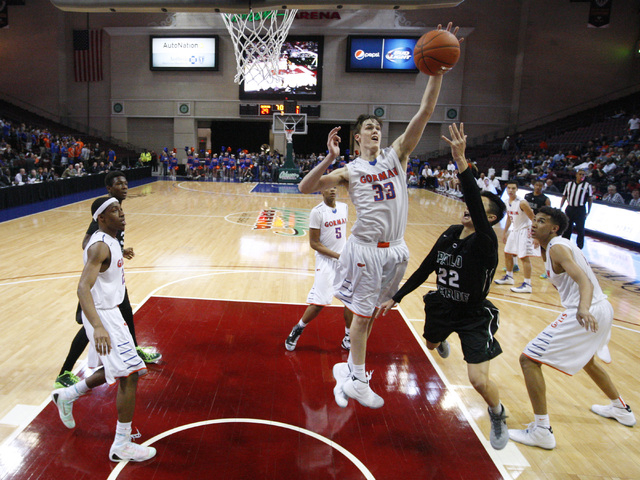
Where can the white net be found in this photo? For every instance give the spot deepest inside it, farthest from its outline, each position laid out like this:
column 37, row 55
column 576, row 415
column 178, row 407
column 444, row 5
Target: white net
column 257, row 40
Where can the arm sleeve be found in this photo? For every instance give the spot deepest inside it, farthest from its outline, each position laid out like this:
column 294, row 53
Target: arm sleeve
column 427, row 266
column 474, row 202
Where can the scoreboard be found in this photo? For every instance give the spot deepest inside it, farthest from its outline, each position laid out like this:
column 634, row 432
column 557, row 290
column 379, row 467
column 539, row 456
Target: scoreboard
column 268, row 109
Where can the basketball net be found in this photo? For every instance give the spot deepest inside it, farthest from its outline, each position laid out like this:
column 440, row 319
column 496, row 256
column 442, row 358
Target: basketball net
column 288, row 133
column 257, row 41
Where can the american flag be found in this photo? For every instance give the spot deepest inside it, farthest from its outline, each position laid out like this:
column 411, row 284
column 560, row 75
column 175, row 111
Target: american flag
column 87, row 49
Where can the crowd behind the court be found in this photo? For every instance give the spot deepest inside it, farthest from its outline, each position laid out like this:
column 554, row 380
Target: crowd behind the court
column 612, row 167
column 33, row 155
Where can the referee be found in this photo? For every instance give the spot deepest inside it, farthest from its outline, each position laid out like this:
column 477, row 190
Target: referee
column 576, row 194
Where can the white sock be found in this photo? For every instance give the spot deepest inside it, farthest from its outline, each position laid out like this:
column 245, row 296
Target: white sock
column 80, row 388
column 346, row 331
column 542, row 420
column 123, row 433
column 359, row 373
column 302, row 324
column 510, row 274
column 618, row 403
column 527, row 281
column 497, row 410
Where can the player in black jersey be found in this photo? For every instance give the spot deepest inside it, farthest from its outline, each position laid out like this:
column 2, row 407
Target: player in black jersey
column 537, row 199
column 465, row 258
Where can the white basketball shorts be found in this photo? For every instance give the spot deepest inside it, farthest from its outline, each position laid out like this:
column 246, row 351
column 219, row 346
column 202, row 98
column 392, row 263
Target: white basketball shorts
column 370, row 275
column 566, row 345
column 327, row 269
column 123, row 360
column 520, row 244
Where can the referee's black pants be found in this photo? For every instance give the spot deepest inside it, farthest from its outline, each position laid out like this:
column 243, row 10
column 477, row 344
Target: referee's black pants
column 577, row 217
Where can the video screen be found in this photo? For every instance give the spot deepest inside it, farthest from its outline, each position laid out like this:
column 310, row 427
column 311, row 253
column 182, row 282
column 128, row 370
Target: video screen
column 188, row 52
column 380, row 54
column 299, row 69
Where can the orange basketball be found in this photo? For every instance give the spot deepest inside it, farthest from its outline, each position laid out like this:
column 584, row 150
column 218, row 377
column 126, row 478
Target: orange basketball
column 436, row 50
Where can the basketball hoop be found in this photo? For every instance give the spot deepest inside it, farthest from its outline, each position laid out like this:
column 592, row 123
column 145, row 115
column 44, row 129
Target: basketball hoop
column 257, row 40
column 288, row 133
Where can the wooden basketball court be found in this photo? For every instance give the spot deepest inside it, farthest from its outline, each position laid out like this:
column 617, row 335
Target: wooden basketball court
column 220, row 276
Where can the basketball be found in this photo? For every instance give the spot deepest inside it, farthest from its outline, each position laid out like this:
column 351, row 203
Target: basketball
column 436, row 50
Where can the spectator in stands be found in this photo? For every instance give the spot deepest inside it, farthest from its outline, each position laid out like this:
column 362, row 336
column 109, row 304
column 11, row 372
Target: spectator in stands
column 634, row 127
column 21, row 177
column 505, row 145
column 613, row 196
column 635, row 199
column 426, row 176
column 5, row 179
column 451, row 166
column 496, row 183
column 69, row 172
column 549, row 187
column 33, row 176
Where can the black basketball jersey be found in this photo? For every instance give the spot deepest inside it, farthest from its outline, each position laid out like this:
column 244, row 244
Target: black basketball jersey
column 536, row 202
column 464, row 267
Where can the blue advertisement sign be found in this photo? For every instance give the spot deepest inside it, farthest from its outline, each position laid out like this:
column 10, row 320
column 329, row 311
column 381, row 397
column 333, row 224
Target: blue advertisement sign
column 379, row 54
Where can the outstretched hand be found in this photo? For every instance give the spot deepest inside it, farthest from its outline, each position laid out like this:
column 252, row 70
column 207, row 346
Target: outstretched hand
column 458, row 144
column 384, row 308
column 444, row 70
column 448, row 29
column 333, row 142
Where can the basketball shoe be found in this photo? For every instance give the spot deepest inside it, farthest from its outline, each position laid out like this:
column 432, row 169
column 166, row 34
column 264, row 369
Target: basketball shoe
column 506, row 280
column 65, row 407
column 292, row 339
column 130, row 452
column 65, row 380
column 443, row 349
column 341, row 373
column 499, row 436
column 534, row 436
column 361, row 391
column 148, row 354
column 523, row 288
column 623, row 415
column 346, row 342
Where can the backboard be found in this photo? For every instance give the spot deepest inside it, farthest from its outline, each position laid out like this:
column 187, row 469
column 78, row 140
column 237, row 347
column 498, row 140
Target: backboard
column 287, row 121
column 241, row 6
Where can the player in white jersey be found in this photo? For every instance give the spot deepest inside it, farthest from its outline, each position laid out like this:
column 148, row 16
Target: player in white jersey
column 327, row 236
column 571, row 341
column 375, row 256
column 518, row 241
column 100, row 290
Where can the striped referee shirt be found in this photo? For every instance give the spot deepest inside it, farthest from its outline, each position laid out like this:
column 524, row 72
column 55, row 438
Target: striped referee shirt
column 577, row 194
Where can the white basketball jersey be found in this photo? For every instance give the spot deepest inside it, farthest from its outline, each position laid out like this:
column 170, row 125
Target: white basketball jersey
column 332, row 223
column 567, row 288
column 378, row 190
column 518, row 218
column 108, row 291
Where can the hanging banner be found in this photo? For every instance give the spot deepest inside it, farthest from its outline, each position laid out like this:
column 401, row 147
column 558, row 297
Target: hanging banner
column 599, row 13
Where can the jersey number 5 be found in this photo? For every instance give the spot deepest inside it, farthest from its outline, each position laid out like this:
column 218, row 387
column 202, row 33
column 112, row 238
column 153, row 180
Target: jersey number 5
column 383, row 192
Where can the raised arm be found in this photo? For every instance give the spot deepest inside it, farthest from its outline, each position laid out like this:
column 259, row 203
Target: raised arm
column 316, row 180
column 407, row 142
